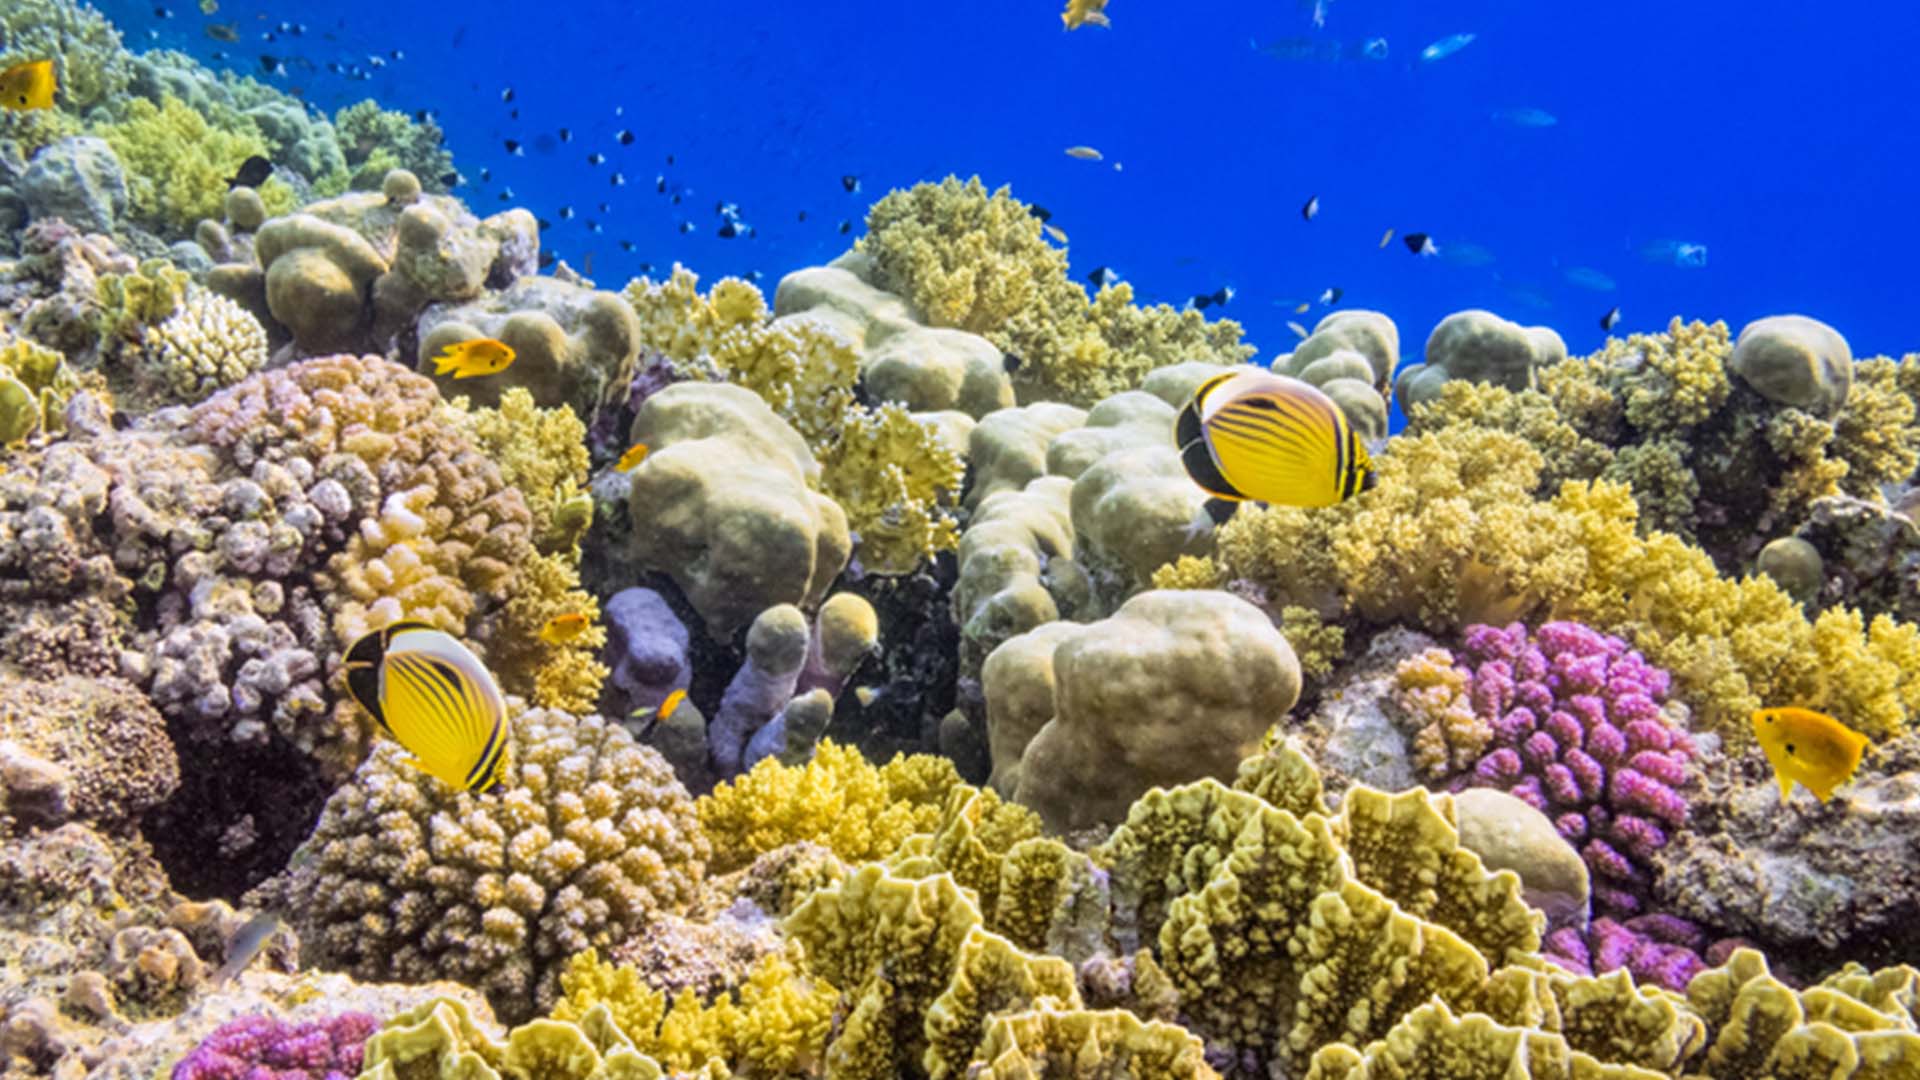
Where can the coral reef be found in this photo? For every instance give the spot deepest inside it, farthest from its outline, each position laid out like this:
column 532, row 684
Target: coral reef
column 177, row 161
column 406, row 879
column 966, row 258
column 1478, row 346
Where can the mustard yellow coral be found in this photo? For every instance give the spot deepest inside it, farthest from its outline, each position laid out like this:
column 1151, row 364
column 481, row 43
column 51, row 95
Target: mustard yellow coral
column 838, row 799
column 775, row 1024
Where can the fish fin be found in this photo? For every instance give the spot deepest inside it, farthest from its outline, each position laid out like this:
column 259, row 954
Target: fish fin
column 1198, row 459
column 1786, row 787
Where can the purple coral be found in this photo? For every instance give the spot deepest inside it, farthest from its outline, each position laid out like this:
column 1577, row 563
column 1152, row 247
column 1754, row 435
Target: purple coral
column 262, row 1048
column 1578, row 734
column 1659, row 948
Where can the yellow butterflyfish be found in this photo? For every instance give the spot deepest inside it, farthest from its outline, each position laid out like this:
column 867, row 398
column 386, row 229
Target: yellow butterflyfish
column 432, row 695
column 1085, row 13
column 635, row 454
column 478, row 356
column 1808, row 748
column 28, row 86
column 1256, row 435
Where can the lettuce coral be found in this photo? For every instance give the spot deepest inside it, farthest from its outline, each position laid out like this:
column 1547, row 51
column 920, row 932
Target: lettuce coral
column 178, row 161
column 963, row 257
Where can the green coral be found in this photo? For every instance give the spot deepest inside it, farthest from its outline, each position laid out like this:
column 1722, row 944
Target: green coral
column 375, row 141
column 125, row 306
column 35, row 383
column 963, row 257
column 178, row 161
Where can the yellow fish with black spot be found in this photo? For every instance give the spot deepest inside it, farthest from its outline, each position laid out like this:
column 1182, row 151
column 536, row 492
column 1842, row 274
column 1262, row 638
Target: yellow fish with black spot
column 1257, row 436
column 478, row 356
column 565, row 628
column 28, row 86
column 434, row 697
column 1808, row 748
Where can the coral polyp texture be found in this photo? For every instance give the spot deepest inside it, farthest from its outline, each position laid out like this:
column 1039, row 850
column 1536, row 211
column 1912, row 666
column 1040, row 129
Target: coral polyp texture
column 405, row 879
column 258, row 1048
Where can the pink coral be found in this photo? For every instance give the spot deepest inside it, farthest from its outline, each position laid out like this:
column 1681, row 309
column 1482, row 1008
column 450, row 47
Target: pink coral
column 260, row 1048
column 1578, row 733
column 1657, row 948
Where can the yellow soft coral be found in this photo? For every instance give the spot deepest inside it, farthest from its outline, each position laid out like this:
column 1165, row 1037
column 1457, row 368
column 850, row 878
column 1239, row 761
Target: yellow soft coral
column 967, row 258
column 178, row 161
column 838, row 799
column 897, row 481
column 542, row 452
column 1452, row 536
column 1875, row 434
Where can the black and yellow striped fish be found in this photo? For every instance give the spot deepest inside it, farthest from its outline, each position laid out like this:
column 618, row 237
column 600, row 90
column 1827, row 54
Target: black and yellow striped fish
column 436, row 699
column 1256, row 436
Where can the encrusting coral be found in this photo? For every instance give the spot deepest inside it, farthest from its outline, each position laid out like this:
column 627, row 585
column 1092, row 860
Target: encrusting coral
column 406, row 879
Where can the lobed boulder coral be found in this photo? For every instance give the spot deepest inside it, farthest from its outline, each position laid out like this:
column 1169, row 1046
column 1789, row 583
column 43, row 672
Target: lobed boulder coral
column 406, row 879
column 568, row 341
column 1478, row 346
column 1172, row 687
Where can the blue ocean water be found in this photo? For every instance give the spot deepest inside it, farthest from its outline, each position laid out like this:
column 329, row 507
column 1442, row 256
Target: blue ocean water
column 1776, row 135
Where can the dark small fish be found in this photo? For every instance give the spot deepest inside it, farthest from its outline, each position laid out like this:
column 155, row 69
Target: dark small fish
column 851, row 183
column 397, row 54
column 660, row 184
column 566, row 213
column 755, row 276
column 1217, row 298
column 1331, row 296
column 505, row 95
column 514, row 148
column 1610, row 320
column 566, row 134
column 514, row 113
column 1045, row 215
column 272, row 65
column 596, row 158
column 617, row 180
column 506, row 196
column 1312, row 209
column 593, row 226
column 1102, row 276
column 452, row 179
column 1420, row 244
column 543, row 223
column 606, row 208
column 227, row 32
column 486, row 174
column 846, row 227
column 162, row 13
column 1011, row 363
column 803, row 215
column 686, row 226
column 252, row 173
column 669, row 161
column 728, row 230
column 547, row 259
column 626, row 245
column 625, row 137
column 674, row 198
column 646, row 268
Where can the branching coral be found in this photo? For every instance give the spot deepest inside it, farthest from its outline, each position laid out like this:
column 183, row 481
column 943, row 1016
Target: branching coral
column 897, row 481
column 178, row 161
column 408, row 879
column 210, row 342
column 259, row 1048
column 967, row 258
column 376, row 141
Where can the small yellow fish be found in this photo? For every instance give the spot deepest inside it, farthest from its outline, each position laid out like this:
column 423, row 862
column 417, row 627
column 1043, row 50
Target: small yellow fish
column 1386, row 238
column 1808, row 748
column 1301, row 308
column 564, row 629
column 673, row 701
column 1085, row 13
column 479, row 356
column 1054, row 231
column 434, row 697
column 656, row 715
column 635, row 454
column 1084, row 153
column 28, row 86
column 864, row 695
